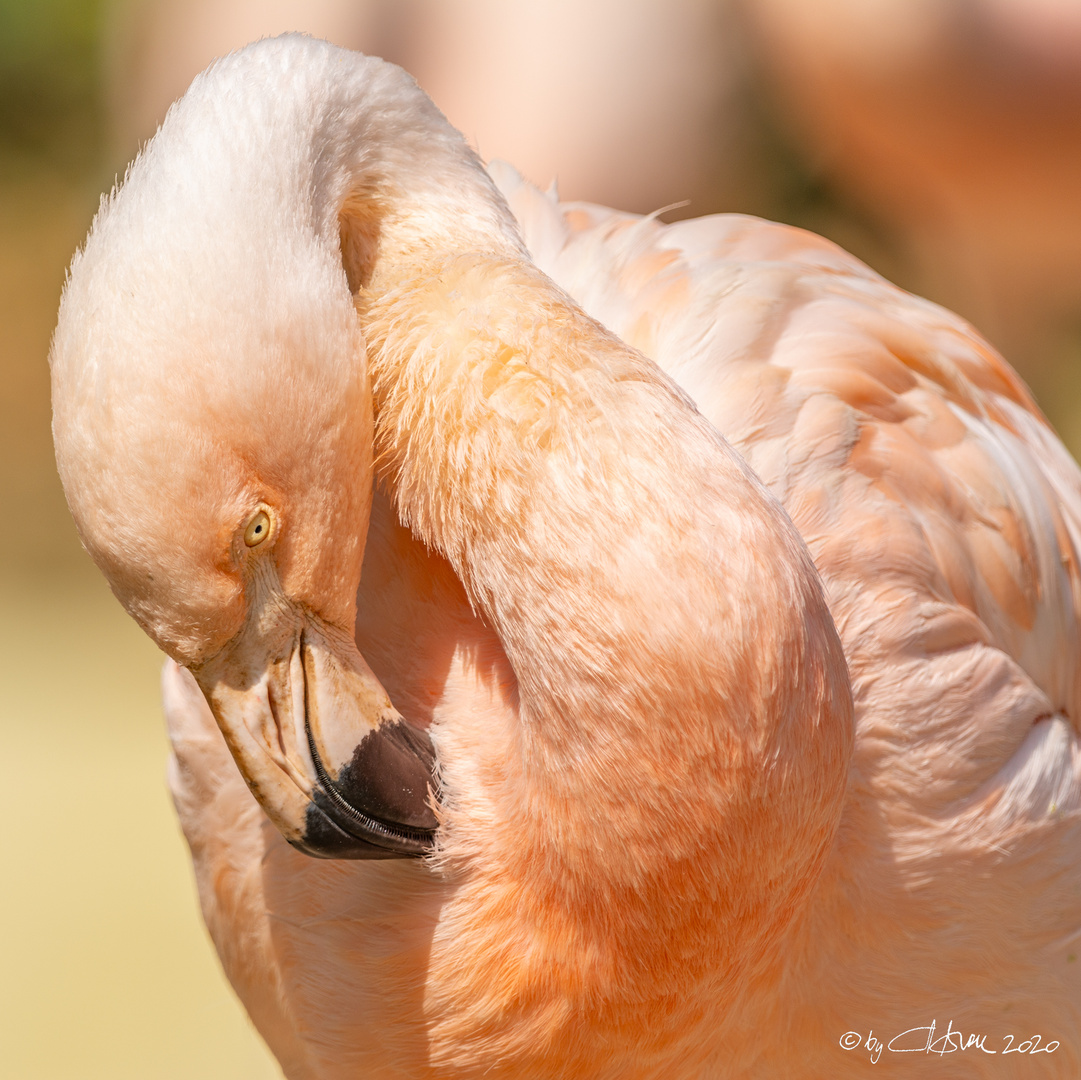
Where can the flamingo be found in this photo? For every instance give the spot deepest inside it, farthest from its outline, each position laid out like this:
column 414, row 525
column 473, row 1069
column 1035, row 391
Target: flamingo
column 666, row 636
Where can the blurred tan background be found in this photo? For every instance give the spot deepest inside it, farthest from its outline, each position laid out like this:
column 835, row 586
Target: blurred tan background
column 940, row 140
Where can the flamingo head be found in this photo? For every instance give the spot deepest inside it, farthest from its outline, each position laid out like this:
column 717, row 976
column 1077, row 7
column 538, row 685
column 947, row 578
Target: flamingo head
column 213, row 428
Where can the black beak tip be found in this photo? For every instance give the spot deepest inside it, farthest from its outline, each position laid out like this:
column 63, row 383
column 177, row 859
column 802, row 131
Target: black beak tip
column 324, row 839
column 378, row 807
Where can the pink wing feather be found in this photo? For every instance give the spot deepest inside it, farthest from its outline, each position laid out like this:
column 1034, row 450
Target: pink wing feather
column 908, row 452
column 945, row 518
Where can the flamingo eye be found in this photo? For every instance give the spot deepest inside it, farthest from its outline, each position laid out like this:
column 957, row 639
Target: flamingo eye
column 258, row 529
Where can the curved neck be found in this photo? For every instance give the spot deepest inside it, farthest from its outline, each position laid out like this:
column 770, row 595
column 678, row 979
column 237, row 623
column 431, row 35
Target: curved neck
column 295, row 141
column 658, row 798
column 666, row 791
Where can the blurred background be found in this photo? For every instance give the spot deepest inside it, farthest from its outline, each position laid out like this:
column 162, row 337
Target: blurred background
column 940, row 140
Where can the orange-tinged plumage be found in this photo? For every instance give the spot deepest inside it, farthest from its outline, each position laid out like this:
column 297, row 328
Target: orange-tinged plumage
column 738, row 597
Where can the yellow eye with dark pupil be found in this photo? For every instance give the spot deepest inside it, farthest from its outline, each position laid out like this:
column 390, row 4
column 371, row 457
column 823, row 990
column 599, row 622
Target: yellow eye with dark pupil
column 258, row 529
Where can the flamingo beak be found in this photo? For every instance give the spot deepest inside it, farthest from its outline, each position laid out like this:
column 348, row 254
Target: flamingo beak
column 334, row 765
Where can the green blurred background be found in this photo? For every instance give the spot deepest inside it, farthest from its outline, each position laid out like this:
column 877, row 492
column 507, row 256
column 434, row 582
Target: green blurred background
column 105, row 969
